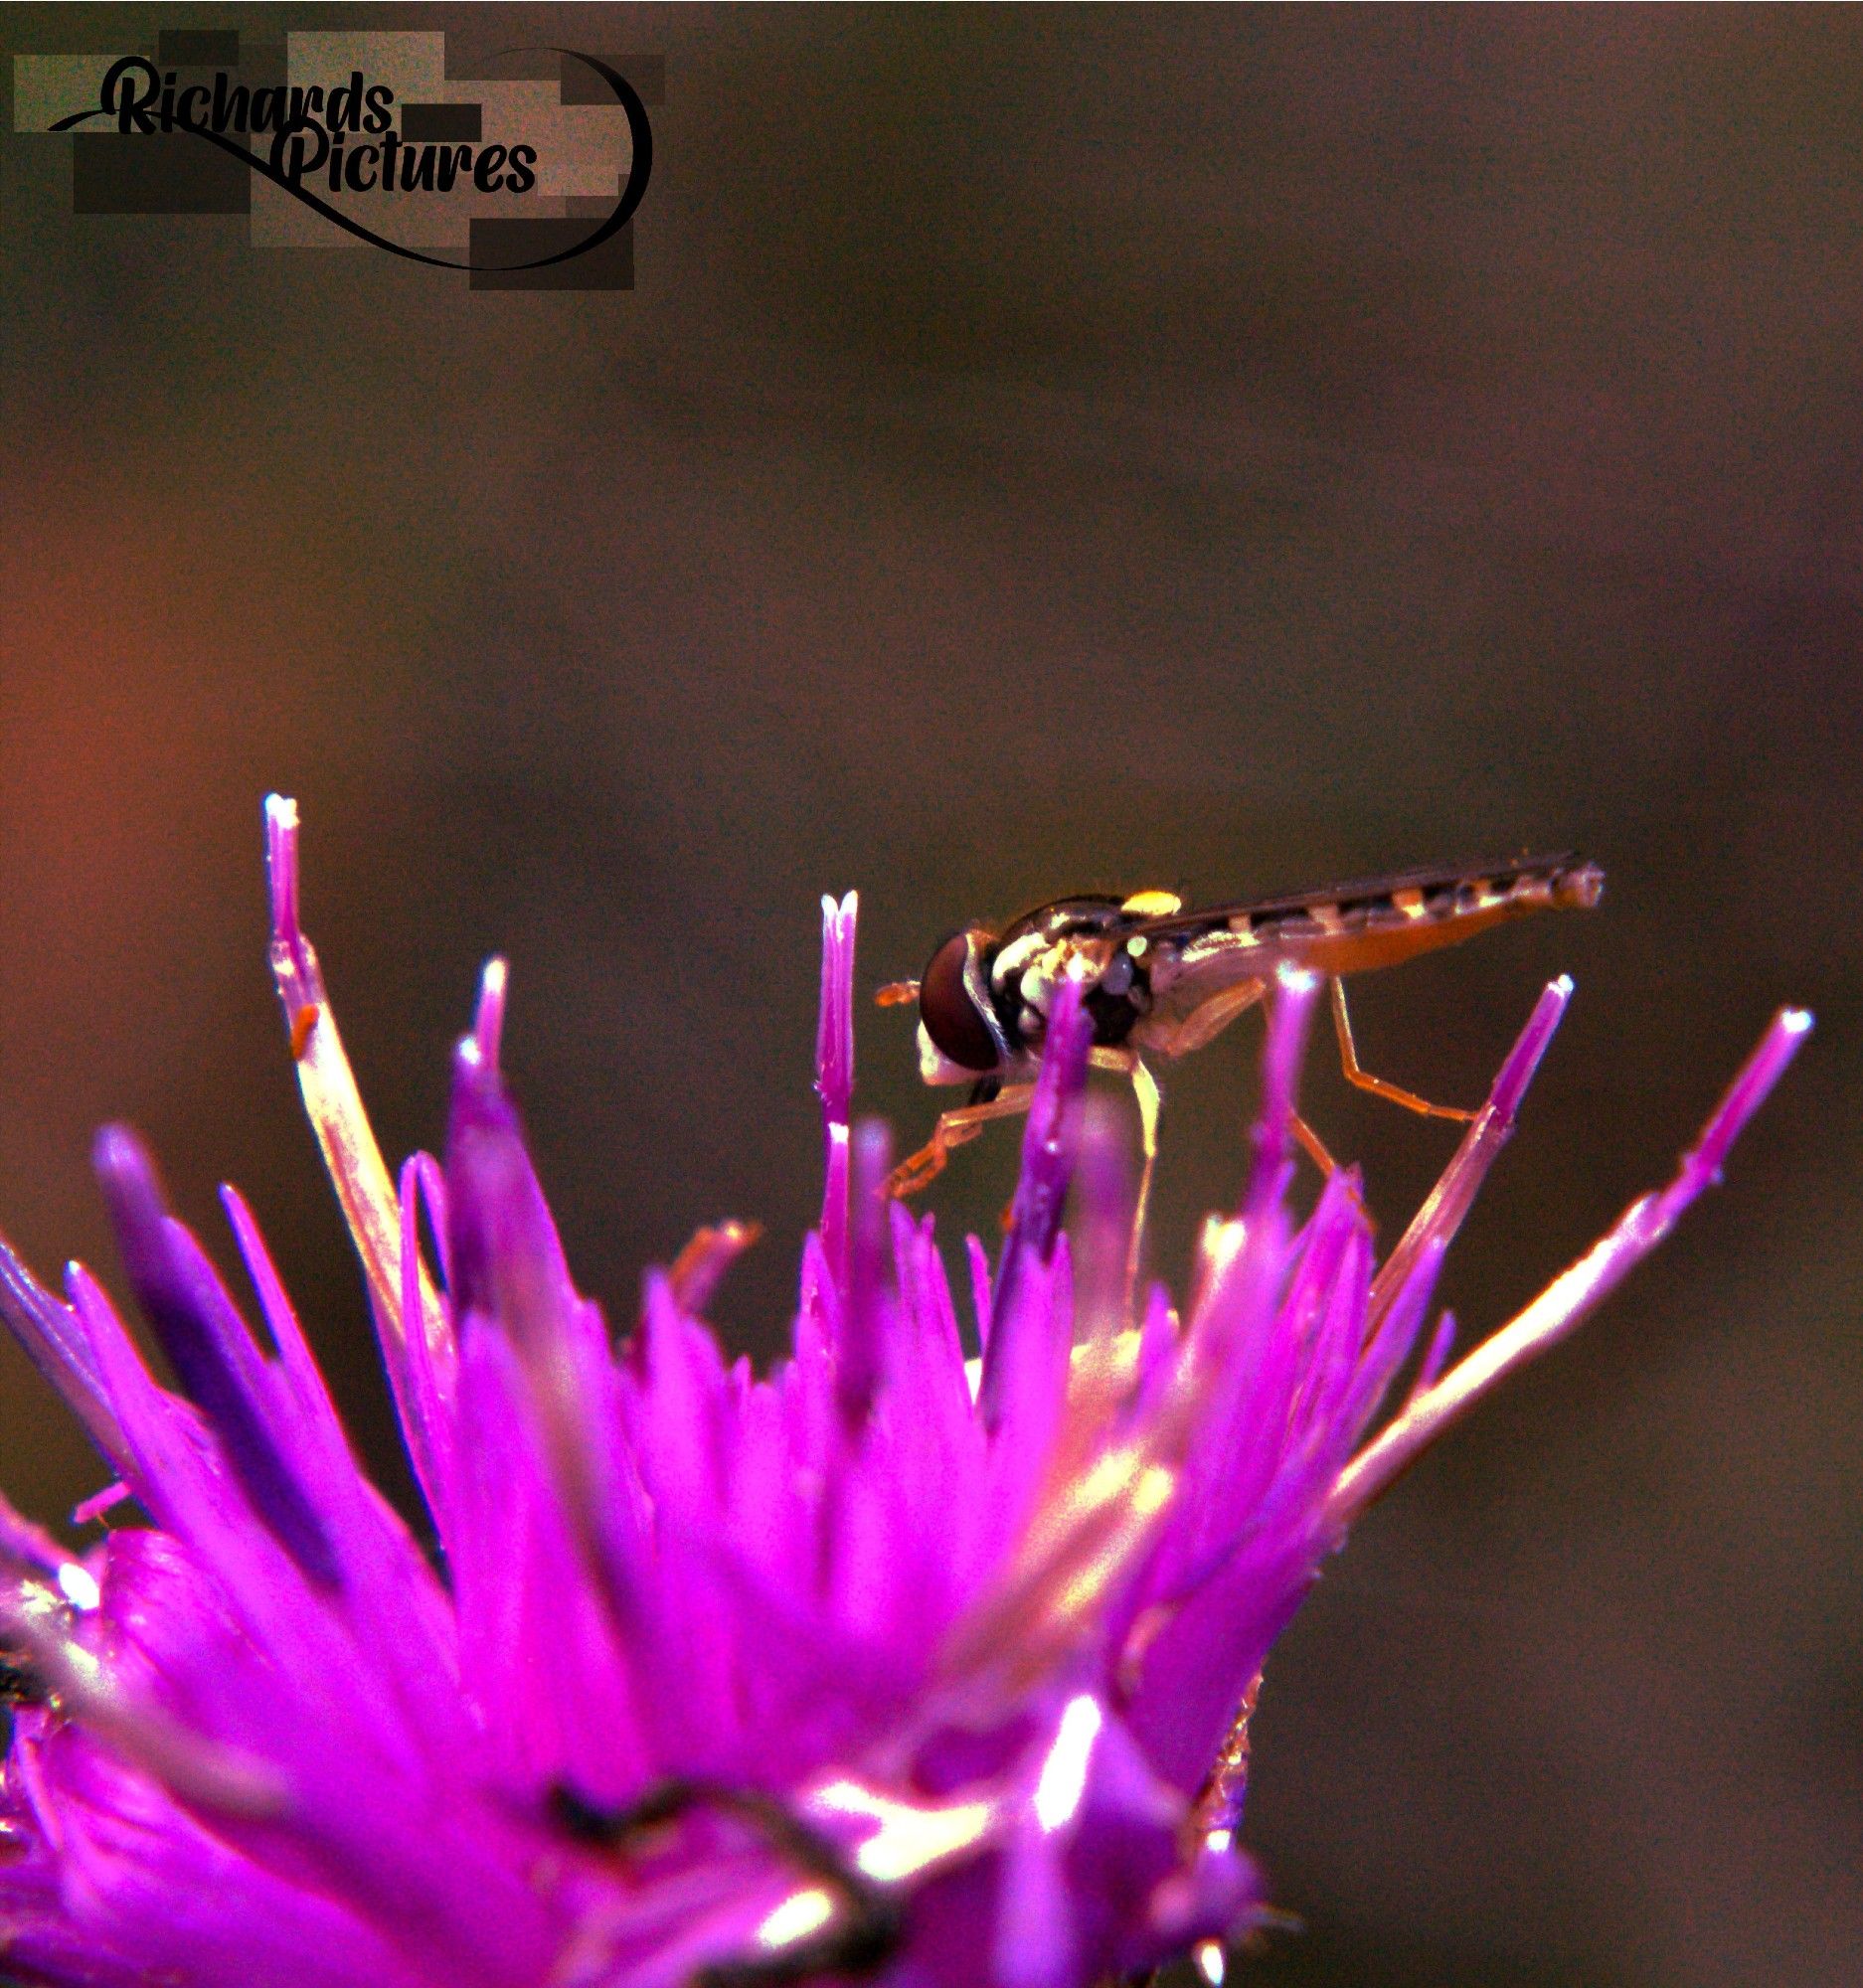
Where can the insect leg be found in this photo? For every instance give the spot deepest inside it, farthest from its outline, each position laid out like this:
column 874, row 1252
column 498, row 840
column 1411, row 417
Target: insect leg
column 1150, row 1100
column 954, row 1128
column 700, row 1267
column 1312, row 1145
column 1377, row 1086
column 1204, row 1024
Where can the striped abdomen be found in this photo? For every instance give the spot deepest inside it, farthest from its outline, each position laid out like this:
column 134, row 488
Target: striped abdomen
column 1353, row 929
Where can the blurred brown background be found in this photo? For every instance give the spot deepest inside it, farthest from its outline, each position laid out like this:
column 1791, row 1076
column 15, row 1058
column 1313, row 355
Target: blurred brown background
column 1047, row 450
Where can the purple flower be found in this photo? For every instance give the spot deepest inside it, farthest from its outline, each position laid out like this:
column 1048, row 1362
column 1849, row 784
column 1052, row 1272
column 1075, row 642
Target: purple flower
column 888, row 1662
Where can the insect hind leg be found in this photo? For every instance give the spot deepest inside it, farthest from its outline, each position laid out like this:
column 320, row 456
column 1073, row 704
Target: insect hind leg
column 1393, row 1093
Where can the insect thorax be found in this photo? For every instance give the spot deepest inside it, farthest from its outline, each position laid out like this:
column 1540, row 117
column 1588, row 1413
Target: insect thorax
column 1076, row 935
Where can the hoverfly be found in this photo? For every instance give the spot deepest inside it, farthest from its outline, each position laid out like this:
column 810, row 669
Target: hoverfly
column 1162, row 981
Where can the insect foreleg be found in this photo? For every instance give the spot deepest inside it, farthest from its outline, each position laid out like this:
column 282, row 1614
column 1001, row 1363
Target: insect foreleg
column 954, row 1128
column 1377, row 1086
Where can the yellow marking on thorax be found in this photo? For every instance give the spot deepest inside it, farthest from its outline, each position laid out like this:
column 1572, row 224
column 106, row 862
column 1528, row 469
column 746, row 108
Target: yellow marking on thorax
column 1153, row 904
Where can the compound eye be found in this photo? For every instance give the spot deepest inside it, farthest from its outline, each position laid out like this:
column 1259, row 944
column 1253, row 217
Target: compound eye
column 949, row 1015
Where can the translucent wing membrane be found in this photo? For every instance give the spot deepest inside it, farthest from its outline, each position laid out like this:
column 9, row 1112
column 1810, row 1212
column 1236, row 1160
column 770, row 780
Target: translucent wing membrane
column 1440, row 882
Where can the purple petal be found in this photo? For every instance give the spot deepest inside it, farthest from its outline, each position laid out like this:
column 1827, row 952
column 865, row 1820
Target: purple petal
column 1288, row 1018
column 858, row 1350
column 1576, row 1292
column 1442, row 1212
column 834, row 1068
column 208, row 1345
column 55, row 1345
column 1047, row 1149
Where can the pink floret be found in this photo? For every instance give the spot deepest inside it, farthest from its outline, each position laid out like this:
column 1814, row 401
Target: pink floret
column 926, row 1657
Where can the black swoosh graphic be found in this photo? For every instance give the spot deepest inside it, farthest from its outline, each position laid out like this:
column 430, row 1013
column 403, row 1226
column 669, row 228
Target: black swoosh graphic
column 639, row 170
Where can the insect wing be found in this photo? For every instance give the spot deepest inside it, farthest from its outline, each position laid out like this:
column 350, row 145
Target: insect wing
column 1361, row 894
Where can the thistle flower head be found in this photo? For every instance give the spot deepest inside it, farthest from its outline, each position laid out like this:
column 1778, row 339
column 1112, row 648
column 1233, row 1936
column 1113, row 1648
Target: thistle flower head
column 890, row 1662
